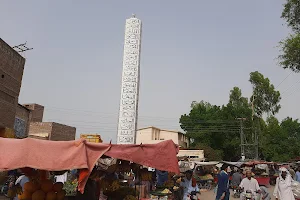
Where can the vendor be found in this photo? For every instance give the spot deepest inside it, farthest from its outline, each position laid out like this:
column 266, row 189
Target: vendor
column 162, row 177
column 90, row 188
column 189, row 185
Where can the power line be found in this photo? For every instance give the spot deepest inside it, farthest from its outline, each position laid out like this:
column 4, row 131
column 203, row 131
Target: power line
column 283, row 80
column 291, row 87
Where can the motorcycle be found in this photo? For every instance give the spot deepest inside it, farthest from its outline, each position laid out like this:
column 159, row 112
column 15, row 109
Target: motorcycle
column 249, row 195
column 193, row 196
column 236, row 192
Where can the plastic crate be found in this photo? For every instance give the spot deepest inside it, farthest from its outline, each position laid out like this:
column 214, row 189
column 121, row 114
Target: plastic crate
column 92, row 138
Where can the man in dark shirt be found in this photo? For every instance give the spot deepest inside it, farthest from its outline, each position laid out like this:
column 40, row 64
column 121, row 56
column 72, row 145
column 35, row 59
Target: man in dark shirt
column 237, row 178
column 223, row 184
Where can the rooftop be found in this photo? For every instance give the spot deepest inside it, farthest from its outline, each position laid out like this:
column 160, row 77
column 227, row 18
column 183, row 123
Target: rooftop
column 152, row 127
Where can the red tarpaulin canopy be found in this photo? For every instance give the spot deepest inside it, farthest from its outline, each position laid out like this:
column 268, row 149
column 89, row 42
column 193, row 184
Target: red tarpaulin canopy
column 79, row 154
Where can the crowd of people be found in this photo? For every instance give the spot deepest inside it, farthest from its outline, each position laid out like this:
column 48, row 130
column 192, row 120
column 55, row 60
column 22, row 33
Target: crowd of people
column 282, row 190
column 188, row 184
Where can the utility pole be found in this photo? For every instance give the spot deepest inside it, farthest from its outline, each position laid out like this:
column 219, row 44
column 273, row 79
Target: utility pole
column 242, row 136
column 254, row 136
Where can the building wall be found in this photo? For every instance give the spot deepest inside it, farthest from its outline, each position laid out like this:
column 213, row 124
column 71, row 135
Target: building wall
column 37, row 112
column 145, row 136
column 38, row 137
column 11, row 73
column 40, row 128
column 183, row 140
column 169, row 135
column 154, row 135
column 194, row 154
column 55, row 131
column 62, row 132
column 22, row 121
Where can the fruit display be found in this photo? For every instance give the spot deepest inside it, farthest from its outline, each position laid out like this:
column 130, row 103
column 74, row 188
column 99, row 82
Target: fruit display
column 11, row 193
column 130, row 197
column 166, row 191
column 169, row 184
column 121, row 193
column 146, row 176
column 113, row 186
column 70, row 187
column 207, row 177
column 42, row 190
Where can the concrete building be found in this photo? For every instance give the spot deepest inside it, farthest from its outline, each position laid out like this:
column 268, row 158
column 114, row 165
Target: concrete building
column 47, row 130
column 153, row 135
column 192, row 154
column 11, row 74
column 128, row 112
column 37, row 112
column 51, row 131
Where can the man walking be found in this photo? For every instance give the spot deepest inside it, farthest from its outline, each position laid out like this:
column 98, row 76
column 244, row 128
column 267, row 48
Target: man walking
column 283, row 189
column 223, row 184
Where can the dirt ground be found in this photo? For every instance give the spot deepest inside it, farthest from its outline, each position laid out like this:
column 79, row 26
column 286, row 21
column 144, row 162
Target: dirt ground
column 210, row 195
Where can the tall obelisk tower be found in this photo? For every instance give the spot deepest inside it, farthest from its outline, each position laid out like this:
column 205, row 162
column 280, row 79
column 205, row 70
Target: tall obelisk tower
column 130, row 82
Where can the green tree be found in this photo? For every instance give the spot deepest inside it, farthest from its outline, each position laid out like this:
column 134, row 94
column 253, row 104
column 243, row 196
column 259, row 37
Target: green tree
column 290, row 53
column 291, row 13
column 209, row 153
column 280, row 140
column 215, row 127
column 290, row 47
column 265, row 98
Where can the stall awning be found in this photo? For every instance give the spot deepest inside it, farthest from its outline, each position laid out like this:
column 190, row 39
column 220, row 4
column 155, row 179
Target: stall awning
column 79, row 154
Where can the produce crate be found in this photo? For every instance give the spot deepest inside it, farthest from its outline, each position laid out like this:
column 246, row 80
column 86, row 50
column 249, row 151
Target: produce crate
column 92, row 138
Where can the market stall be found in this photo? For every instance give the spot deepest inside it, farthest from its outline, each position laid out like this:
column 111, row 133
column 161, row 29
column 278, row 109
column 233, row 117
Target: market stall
column 260, row 170
column 203, row 173
column 66, row 155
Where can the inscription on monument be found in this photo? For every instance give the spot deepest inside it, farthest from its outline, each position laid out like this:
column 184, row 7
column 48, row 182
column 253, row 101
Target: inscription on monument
column 130, row 82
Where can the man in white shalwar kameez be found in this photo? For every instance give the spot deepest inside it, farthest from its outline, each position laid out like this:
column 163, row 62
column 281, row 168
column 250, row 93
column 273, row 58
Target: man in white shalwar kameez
column 283, row 187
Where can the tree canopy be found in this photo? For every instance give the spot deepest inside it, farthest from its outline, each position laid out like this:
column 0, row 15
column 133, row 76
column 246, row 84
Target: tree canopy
column 216, row 130
column 265, row 98
column 290, row 47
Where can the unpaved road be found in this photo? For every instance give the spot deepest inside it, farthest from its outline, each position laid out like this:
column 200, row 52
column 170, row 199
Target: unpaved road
column 210, row 195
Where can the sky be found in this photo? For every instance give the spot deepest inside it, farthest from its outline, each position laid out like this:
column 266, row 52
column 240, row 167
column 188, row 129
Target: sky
column 191, row 51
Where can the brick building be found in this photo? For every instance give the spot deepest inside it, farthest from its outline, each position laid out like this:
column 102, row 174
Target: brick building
column 47, row 130
column 51, row 131
column 37, row 112
column 11, row 73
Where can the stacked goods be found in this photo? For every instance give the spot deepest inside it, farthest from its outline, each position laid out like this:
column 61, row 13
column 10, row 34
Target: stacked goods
column 124, row 166
column 207, row 177
column 71, row 187
column 146, row 176
column 43, row 190
column 169, row 184
column 115, row 191
column 114, row 186
column 130, row 197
